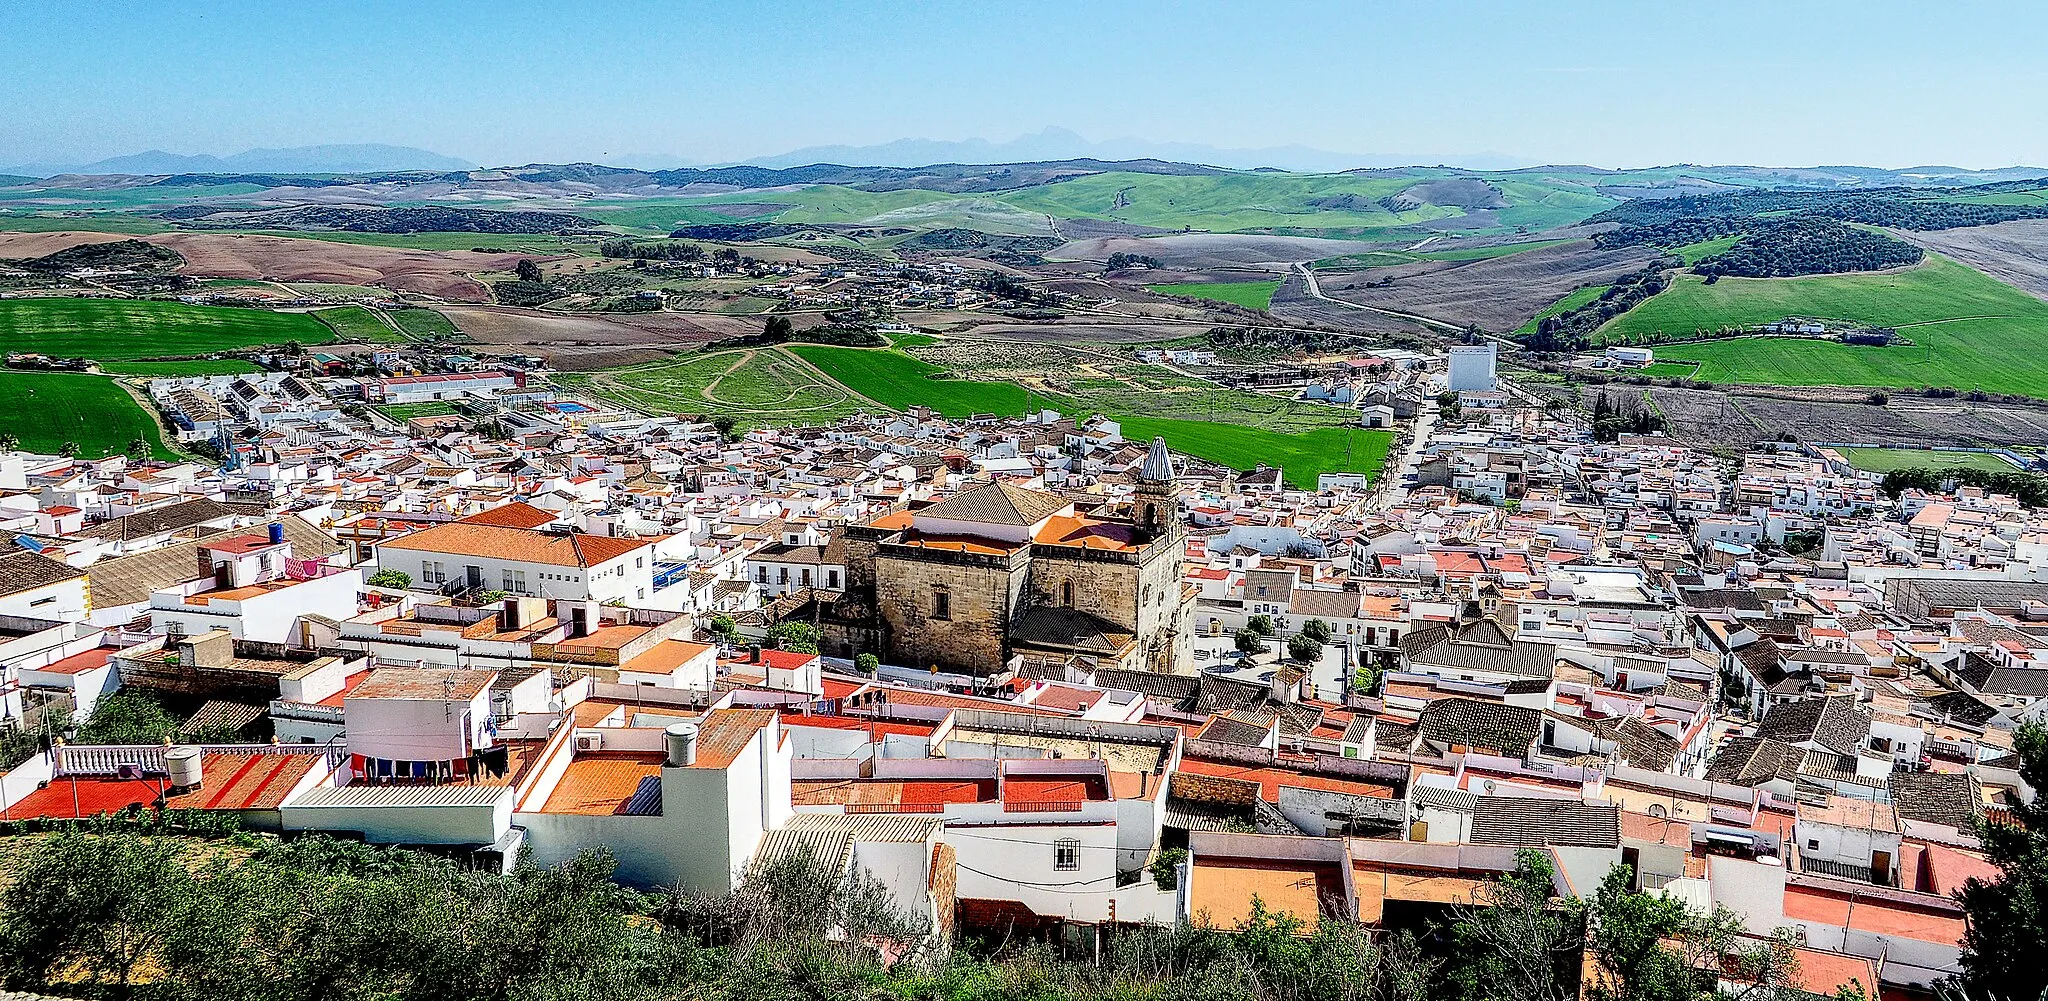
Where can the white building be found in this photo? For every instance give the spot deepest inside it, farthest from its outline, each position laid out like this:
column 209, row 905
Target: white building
column 523, row 561
column 1472, row 368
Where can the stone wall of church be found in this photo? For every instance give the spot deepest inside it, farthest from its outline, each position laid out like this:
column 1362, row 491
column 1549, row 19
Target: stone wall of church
column 1102, row 585
column 983, row 595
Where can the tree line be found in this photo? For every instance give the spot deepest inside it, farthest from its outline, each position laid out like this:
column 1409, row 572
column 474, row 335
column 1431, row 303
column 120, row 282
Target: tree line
column 651, row 250
column 1898, row 208
column 1572, row 330
column 1773, row 248
column 2030, row 489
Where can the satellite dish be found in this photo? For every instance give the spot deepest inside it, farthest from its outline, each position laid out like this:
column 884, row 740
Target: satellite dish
column 1487, row 786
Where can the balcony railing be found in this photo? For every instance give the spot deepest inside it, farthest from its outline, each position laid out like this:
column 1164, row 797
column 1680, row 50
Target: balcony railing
column 1042, row 806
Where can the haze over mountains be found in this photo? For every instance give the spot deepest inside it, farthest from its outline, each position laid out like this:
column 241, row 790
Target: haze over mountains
column 1051, row 145
column 1055, row 143
column 327, row 159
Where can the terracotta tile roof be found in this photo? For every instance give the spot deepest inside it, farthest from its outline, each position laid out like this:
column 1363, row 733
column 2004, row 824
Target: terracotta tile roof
column 423, row 683
column 724, row 733
column 494, row 542
column 517, row 514
column 609, row 783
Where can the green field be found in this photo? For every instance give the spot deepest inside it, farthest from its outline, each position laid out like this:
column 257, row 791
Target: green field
column 402, row 412
column 1970, row 331
column 1693, row 253
column 355, row 323
column 423, row 324
column 1301, row 457
column 1671, row 370
column 179, row 369
column 127, row 329
column 1884, row 460
column 764, row 386
column 47, row 409
column 1572, row 300
column 898, row 381
column 1250, row 295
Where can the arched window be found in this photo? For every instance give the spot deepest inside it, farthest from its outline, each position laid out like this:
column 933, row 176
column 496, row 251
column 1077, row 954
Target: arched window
column 1067, row 593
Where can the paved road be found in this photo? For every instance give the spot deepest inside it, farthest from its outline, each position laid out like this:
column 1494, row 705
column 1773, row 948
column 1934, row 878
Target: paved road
column 1398, row 467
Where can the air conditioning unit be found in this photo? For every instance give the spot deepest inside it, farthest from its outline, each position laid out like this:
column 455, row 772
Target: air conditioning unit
column 590, row 741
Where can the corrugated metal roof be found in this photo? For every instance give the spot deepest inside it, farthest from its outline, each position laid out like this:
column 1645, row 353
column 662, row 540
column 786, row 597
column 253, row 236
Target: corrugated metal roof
column 867, row 826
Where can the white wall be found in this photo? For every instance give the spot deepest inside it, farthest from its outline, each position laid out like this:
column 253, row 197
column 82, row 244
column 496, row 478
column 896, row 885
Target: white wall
column 1015, row 862
column 63, row 601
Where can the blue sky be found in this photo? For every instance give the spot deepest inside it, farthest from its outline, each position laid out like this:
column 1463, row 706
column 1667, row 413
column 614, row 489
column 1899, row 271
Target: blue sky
column 1611, row 84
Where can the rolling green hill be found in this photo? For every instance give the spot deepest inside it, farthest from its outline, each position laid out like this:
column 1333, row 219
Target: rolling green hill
column 1969, row 331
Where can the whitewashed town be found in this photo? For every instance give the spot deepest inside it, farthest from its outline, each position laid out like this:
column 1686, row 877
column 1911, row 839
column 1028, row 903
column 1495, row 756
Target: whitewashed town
column 1030, row 673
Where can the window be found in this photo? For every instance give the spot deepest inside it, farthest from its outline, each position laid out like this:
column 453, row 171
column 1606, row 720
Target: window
column 782, row 575
column 1813, row 844
column 42, row 601
column 942, row 604
column 1066, row 853
column 639, row 561
column 832, row 579
column 761, row 575
column 805, row 573
column 1067, row 593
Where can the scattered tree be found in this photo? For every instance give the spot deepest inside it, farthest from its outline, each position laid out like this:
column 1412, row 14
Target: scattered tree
column 1250, row 641
column 397, row 580
column 1304, row 648
column 796, row 637
column 1261, row 625
column 528, row 270
column 2007, row 933
column 867, row 664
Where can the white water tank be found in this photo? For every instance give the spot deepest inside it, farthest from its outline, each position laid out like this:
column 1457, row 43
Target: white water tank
column 184, row 766
column 682, row 744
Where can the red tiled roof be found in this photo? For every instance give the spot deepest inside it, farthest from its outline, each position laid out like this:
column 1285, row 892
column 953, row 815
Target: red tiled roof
column 517, row 514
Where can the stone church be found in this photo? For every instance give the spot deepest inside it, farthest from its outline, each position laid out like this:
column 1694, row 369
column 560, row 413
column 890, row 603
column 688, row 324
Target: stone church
column 998, row 571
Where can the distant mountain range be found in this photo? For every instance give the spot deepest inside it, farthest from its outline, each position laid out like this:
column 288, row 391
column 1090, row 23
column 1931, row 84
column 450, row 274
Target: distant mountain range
column 1056, row 143
column 356, row 158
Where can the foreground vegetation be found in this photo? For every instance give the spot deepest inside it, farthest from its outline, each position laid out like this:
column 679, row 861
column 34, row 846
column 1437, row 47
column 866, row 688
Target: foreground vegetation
column 131, row 911
column 127, row 329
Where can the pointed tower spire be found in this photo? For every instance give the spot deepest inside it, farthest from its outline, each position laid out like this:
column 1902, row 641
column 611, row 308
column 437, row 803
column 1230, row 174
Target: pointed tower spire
column 1158, row 467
